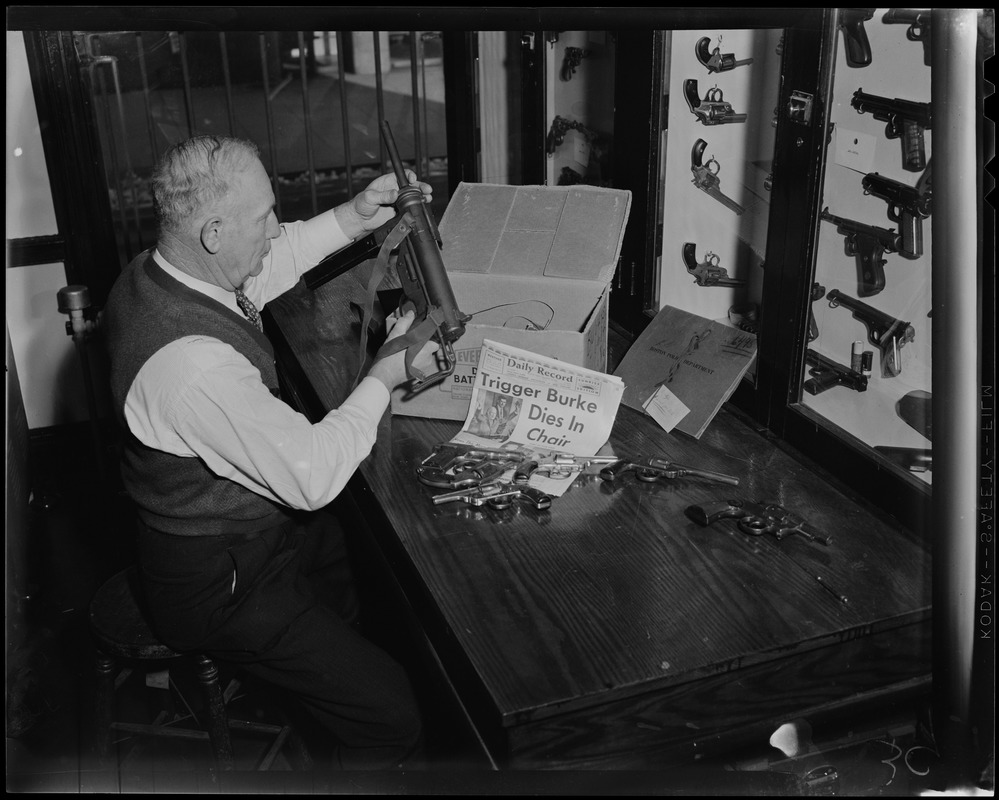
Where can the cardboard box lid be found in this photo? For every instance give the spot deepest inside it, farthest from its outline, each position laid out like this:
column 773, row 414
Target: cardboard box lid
column 554, row 231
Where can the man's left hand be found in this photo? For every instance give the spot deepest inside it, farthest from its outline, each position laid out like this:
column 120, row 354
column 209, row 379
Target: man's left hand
column 373, row 207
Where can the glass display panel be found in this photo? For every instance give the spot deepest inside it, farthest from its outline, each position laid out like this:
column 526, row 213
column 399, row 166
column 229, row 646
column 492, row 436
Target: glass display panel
column 579, row 101
column 867, row 364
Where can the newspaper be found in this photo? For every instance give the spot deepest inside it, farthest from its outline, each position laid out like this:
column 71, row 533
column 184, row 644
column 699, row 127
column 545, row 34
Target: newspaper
column 539, row 406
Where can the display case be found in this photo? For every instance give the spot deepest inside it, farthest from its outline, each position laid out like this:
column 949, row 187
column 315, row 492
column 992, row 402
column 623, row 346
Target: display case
column 868, row 364
column 790, row 192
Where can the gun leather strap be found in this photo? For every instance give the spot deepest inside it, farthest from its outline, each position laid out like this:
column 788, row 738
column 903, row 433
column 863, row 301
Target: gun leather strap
column 420, row 333
column 413, row 340
column 379, row 267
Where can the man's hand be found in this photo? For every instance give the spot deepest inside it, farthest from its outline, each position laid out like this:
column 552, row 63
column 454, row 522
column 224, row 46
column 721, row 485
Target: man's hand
column 373, row 207
column 391, row 371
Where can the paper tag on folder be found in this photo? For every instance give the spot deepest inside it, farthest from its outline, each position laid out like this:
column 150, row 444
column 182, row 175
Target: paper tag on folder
column 665, row 408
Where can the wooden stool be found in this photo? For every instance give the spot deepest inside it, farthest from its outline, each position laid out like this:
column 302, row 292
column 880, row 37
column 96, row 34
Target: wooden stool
column 119, row 625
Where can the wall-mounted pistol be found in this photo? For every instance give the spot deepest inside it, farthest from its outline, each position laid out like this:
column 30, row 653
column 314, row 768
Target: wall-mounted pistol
column 707, row 272
column 706, row 176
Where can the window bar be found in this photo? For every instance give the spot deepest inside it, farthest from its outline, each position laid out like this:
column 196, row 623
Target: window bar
column 379, row 98
column 417, row 144
column 129, row 172
column 101, row 88
column 307, row 110
column 348, row 167
column 147, row 103
column 423, row 99
column 269, row 116
column 188, row 99
column 227, row 80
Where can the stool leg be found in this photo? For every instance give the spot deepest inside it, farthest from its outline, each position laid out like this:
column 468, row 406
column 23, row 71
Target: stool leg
column 103, row 703
column 218, row 722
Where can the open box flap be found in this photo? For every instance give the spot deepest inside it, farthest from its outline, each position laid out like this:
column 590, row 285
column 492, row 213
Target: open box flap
column 557, row 232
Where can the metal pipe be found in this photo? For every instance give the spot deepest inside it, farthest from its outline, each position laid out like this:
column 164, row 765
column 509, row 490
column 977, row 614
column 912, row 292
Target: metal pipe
column 269, row 116
column 307, row 122
column 417, row 144
column 227, row 80
column 188, row 97
column 147, row 104
column 347, row 165
column 129, row 172
column 95, row 60
column 956, row 379
column 379, row 98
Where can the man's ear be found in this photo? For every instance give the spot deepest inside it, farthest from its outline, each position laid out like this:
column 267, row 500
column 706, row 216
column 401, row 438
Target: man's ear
column 211, row 235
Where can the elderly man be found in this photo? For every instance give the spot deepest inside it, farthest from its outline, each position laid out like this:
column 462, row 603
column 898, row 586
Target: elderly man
column 237, row 556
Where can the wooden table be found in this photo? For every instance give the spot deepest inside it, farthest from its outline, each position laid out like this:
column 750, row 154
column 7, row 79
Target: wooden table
column 611, row 631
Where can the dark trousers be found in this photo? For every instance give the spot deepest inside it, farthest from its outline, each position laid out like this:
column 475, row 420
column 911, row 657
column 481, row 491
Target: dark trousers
column 286, row 621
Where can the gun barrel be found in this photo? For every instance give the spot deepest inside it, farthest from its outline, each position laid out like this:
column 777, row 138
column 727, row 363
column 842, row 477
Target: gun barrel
column 883, row 107
column 393, row 152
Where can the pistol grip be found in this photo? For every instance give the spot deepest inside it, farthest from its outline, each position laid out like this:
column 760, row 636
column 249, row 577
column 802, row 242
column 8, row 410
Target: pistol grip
column 523, row 473
column 871, row 266
column 857, row 47
column 537, row 498
column 712, row 512
column 613, row 471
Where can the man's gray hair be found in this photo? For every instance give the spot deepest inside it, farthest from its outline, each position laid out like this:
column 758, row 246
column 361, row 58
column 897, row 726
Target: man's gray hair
column 195, row 173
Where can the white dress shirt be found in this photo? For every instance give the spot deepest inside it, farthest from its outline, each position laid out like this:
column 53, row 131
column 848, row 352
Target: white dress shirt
column 199, row 398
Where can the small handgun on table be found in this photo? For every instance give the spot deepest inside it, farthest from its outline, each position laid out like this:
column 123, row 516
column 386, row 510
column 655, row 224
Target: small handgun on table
column 757, row 518
column 457, row 466
column 559, row 465
column 654, row 468
column 496, row 494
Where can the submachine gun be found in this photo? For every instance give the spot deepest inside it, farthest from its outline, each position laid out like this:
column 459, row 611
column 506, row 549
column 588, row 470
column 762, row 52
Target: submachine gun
column 410, row 242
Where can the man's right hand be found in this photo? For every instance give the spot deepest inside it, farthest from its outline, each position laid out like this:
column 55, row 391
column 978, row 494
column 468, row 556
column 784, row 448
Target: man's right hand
column 391, row 370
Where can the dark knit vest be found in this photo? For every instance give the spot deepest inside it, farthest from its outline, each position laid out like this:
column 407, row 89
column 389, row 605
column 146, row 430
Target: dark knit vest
column 146, row 310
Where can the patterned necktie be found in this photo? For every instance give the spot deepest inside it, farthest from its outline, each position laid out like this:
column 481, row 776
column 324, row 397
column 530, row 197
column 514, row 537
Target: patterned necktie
column 250, row 310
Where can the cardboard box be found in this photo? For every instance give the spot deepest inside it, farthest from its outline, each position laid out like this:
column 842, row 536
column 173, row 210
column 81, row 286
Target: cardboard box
column 533, row 266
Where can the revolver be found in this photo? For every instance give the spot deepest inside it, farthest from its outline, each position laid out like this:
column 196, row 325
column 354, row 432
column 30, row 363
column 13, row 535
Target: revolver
column 857, row 46
column 654, row 468
column 757, row 518
column 713, row 109
column 560, row 465
column 706, row 177
column 826, row 373
column 918, row 30
column 908, row 206
column 496, row 494
column 707, row 273
column 906, row 119
column 412, row 243
column 885, row 332
column 714, row 60
column 460, row 466
column 867, row 244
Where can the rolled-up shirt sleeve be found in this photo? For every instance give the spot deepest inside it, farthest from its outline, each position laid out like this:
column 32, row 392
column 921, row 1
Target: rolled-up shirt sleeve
column 199, row 398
